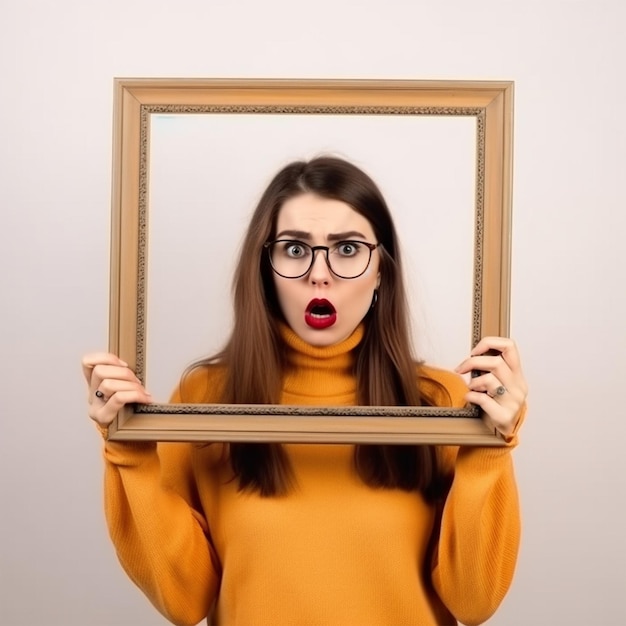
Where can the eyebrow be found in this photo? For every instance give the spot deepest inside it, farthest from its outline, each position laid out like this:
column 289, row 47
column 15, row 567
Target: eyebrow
column 301, row 234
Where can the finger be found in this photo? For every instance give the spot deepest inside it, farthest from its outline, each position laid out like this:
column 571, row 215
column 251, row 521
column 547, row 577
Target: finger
column 483, row 363
column 497, row 392
column 499, row 382
column 480, row 365
column 110, row 386
column 101, row 372
column 500, row 365
column 89, row 361
column 105, row 413
column 504, row 345
column 501, row 414
column 487, row 383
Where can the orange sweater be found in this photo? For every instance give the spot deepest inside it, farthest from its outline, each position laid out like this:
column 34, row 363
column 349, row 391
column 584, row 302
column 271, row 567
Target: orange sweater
column 332, row 552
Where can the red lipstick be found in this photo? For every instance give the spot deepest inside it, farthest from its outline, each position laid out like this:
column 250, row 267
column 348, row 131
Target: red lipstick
column 320, row 314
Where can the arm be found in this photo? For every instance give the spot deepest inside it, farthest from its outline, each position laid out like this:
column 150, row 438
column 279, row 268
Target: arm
column 161, row 540
column 151, row 506
column 480, row 523
column 479, row 534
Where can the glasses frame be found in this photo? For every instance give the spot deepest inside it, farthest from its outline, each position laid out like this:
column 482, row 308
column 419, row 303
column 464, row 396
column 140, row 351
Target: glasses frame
column 370, row 246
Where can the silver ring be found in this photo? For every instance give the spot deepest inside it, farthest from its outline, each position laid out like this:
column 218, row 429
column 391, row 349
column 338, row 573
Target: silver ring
column 499, row 391
column 99, row 394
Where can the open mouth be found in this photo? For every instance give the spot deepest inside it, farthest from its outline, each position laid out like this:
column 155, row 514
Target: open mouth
column 320, row 314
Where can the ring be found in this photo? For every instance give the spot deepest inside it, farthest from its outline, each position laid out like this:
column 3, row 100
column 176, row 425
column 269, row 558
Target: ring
column 500, row 391
column 99, row 394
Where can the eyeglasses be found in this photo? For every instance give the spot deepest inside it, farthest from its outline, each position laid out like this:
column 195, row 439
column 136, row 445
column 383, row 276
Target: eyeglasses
column 293, row 259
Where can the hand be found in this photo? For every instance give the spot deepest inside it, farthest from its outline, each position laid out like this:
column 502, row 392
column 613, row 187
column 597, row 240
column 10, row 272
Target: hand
column 111, row 384
column 501, row 389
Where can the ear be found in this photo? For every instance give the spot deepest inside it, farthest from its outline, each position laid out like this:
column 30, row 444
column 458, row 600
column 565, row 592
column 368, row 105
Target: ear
column 378, row 281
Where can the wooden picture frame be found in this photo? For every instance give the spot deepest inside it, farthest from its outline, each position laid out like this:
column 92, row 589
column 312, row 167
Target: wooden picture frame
column 490, row 103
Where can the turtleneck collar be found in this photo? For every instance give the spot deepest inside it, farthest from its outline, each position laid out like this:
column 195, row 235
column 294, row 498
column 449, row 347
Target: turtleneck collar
column 302, row 353
column 320, row 375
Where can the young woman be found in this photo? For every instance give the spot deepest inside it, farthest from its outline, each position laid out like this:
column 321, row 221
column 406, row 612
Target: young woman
column 255, row 534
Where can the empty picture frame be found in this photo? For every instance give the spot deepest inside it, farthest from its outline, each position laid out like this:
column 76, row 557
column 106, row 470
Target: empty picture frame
column 140, row 102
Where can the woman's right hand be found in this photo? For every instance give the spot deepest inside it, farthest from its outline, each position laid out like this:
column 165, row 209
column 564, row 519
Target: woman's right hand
column 111, row 384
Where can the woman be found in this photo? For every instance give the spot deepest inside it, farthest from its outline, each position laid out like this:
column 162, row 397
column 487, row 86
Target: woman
column 276, row 534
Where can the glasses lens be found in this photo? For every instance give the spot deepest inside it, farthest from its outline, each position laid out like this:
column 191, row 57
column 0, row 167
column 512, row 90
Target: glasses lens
column 349, row 259
column 292, row 259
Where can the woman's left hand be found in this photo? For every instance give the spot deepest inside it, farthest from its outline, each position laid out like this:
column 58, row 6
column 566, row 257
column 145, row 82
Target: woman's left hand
column 500, row 389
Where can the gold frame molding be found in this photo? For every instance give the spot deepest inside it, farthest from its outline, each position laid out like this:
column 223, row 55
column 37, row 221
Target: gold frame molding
column 489, row 102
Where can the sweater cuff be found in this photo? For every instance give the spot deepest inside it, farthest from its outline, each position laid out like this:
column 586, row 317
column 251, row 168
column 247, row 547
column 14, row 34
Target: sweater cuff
column 512, row 440
column 125, row 453
column 129, row 453
column 103, row 430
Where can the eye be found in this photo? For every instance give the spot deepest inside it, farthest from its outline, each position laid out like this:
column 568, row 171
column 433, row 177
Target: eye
column 348, row 248
column 295, row 249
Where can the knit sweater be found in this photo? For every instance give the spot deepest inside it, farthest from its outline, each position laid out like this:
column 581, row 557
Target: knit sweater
column 333, row 551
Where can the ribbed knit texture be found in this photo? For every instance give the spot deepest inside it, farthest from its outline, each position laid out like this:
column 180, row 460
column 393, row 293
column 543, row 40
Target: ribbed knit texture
column 332, row 552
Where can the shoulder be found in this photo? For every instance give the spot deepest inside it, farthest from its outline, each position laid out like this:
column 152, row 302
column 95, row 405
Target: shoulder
column 444, row 387
column 202, row 383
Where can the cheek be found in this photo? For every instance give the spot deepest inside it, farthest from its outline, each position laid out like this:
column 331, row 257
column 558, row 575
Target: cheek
column 371, row 277
column 372, row 273
column 360, row 298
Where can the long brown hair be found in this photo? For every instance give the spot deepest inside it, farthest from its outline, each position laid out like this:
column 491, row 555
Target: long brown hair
column 385, row 369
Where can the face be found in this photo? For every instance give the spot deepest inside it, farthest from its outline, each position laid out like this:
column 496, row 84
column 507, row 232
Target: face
column 321, row 308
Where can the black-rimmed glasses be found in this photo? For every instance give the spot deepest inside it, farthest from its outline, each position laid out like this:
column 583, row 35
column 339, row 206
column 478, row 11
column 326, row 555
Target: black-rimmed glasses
column 293, row 259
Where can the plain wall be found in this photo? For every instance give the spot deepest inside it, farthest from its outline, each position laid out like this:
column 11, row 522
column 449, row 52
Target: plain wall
column 57, row 62
column 202, row 192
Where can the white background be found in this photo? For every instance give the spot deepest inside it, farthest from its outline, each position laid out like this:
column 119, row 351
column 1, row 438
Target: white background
column 57, row 62
column 207, row 173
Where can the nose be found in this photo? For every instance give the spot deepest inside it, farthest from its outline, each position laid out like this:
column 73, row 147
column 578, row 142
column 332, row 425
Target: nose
column 320, row 272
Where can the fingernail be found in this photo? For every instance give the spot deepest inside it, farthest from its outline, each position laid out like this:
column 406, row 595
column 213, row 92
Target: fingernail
column 123, row 363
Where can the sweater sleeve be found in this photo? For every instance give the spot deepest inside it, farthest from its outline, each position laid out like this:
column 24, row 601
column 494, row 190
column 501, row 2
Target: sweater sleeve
column 160, row 536
column 479, row 536
column 480, row 530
